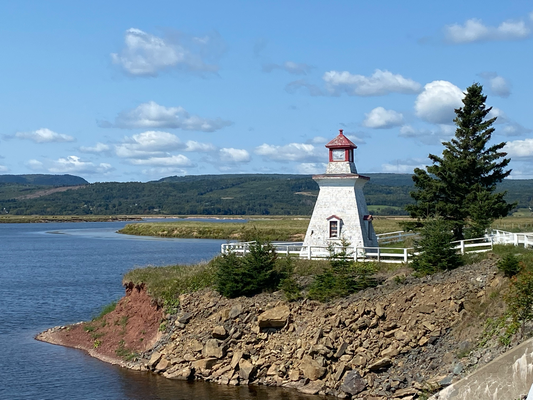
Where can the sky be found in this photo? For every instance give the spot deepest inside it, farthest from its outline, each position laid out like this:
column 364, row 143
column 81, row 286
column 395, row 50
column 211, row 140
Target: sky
column 137, row 91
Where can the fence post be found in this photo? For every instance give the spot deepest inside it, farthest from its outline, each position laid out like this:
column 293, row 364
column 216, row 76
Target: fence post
column 405, row 256
column 308, row 252
column 287, row 251
column 379, row 254
column 515, row 239
column 462, row 247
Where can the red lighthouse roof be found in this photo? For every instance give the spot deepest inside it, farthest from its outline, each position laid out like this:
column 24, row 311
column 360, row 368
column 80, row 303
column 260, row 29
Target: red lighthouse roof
column 341, row 142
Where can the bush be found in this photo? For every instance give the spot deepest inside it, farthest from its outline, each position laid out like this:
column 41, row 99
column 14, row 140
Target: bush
column 509, row 265
column 520, row 297
column 436, row 252
column 288, row 284
column 248, row 275
column 342, row 276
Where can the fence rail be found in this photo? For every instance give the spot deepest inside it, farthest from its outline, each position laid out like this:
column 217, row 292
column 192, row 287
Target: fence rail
column 366, row 254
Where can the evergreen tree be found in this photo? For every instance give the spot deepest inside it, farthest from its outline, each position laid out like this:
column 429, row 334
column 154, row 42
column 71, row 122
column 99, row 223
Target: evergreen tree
column 460, row 184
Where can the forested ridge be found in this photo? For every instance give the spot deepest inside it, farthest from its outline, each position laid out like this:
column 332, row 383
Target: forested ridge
column 247, row 194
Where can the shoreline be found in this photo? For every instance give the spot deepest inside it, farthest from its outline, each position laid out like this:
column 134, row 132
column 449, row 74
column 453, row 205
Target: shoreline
column 363, row 346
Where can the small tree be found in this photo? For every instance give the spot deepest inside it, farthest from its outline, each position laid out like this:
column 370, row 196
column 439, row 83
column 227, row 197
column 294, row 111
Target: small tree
column 250, row 274
column 436, row 252
column 460, row 184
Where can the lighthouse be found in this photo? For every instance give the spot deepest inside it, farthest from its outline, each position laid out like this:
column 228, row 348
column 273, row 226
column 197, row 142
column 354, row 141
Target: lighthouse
column 340, row 211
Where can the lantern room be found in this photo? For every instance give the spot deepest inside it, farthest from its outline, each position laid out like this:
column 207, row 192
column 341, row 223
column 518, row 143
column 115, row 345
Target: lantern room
column 341, row 148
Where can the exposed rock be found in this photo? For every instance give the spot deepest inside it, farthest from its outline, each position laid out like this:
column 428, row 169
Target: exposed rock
column 235, row 311
column 312, row 387
column 274, row 318
column 380, row 364
column 204, row 364
column 219, row 332
column 212, row 349
column 181, row 374
column 185, row 318
column 311, row 369
column 246, row 369
column 353, row 383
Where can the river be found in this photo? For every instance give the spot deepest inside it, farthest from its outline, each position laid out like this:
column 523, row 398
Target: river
column 61, row 273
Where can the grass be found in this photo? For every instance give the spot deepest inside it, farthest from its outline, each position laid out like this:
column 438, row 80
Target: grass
column 165, row 284
column 518, row 223
column 105, row 310
column 279, row 229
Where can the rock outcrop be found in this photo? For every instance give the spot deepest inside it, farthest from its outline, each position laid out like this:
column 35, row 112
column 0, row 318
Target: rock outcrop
column 396, row 341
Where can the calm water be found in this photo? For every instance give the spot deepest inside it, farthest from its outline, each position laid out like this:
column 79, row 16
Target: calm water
column 61, row 273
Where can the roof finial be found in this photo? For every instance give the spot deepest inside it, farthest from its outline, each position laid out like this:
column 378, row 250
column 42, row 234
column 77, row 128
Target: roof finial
column 340, row 132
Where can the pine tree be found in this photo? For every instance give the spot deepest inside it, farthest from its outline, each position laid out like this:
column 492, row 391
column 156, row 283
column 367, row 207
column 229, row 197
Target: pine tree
column 460, row 184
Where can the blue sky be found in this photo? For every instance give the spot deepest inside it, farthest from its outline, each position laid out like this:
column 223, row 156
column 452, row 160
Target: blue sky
column 136, row 91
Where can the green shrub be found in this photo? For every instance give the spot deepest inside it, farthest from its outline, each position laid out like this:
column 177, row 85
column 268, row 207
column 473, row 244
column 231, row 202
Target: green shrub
column 250, row 274
column 342, row 276
column 509, row 265
column 520, row 297
column 288, row 284
column 436, row 252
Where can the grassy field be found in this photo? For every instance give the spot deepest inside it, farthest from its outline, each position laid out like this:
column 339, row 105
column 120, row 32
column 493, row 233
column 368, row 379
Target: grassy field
column 279, row 229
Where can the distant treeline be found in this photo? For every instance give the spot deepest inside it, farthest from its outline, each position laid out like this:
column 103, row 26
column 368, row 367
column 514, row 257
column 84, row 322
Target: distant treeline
column 251, row 194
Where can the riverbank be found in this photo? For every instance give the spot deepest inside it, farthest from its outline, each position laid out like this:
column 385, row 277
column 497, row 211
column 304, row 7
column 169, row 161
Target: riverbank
column 290, row 229
column 25, row 219
column 402, row 339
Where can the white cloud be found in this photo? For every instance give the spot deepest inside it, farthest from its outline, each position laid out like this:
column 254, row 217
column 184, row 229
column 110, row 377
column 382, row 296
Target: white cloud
column 44, row 135
column 290, row 67
column 292, row 152
column 379, row 118
column 378, row 84
column 311, row 168
column 319, row 140
column 147, row 55
column 192, row 145
column 438, row 101
column 98, row 148
column 513, row 129
column 3, row 168
column 498, row 85
column 151, row 115
column 231, row 155
column 70, row 165
column 148, row 144
column 474, row 30
column 170, row 161
column 519, row 148
column 403, row 166
column 428, row 136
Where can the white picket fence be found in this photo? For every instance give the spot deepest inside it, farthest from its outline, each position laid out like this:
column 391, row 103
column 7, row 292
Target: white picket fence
column 383, row 254
column 516, row 239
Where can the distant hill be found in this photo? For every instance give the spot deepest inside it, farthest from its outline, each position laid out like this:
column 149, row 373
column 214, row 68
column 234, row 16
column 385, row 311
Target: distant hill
column 247, row 194
column 44, row 180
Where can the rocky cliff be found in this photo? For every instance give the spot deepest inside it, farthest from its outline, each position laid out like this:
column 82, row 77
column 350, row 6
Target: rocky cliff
column 403, row 339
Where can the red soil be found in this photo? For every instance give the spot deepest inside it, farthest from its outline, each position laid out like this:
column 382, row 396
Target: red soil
column 133, row 327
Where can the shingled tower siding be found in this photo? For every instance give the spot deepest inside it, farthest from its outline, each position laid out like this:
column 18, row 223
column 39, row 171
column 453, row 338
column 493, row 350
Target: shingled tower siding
column 340, row 211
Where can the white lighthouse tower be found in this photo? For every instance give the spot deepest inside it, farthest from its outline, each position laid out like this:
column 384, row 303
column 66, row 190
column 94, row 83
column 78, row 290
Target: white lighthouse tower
column 340, row 211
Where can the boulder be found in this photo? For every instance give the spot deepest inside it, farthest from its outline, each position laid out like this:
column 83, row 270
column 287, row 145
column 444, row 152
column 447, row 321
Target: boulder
column 185, row 318
column 204, row 364
column 219, row 332
column 380, row 364
column 235, row 311
column 274, row 318
column 246, row 369
column 353, row 383
column 212, row 349
column 311, row 369
column 312, row 387
column 237, row 355
column 183, row 374
column 154, row 359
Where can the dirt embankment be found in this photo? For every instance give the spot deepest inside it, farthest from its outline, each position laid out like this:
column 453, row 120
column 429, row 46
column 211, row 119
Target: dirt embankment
column 130, row 329
column 401, row 340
